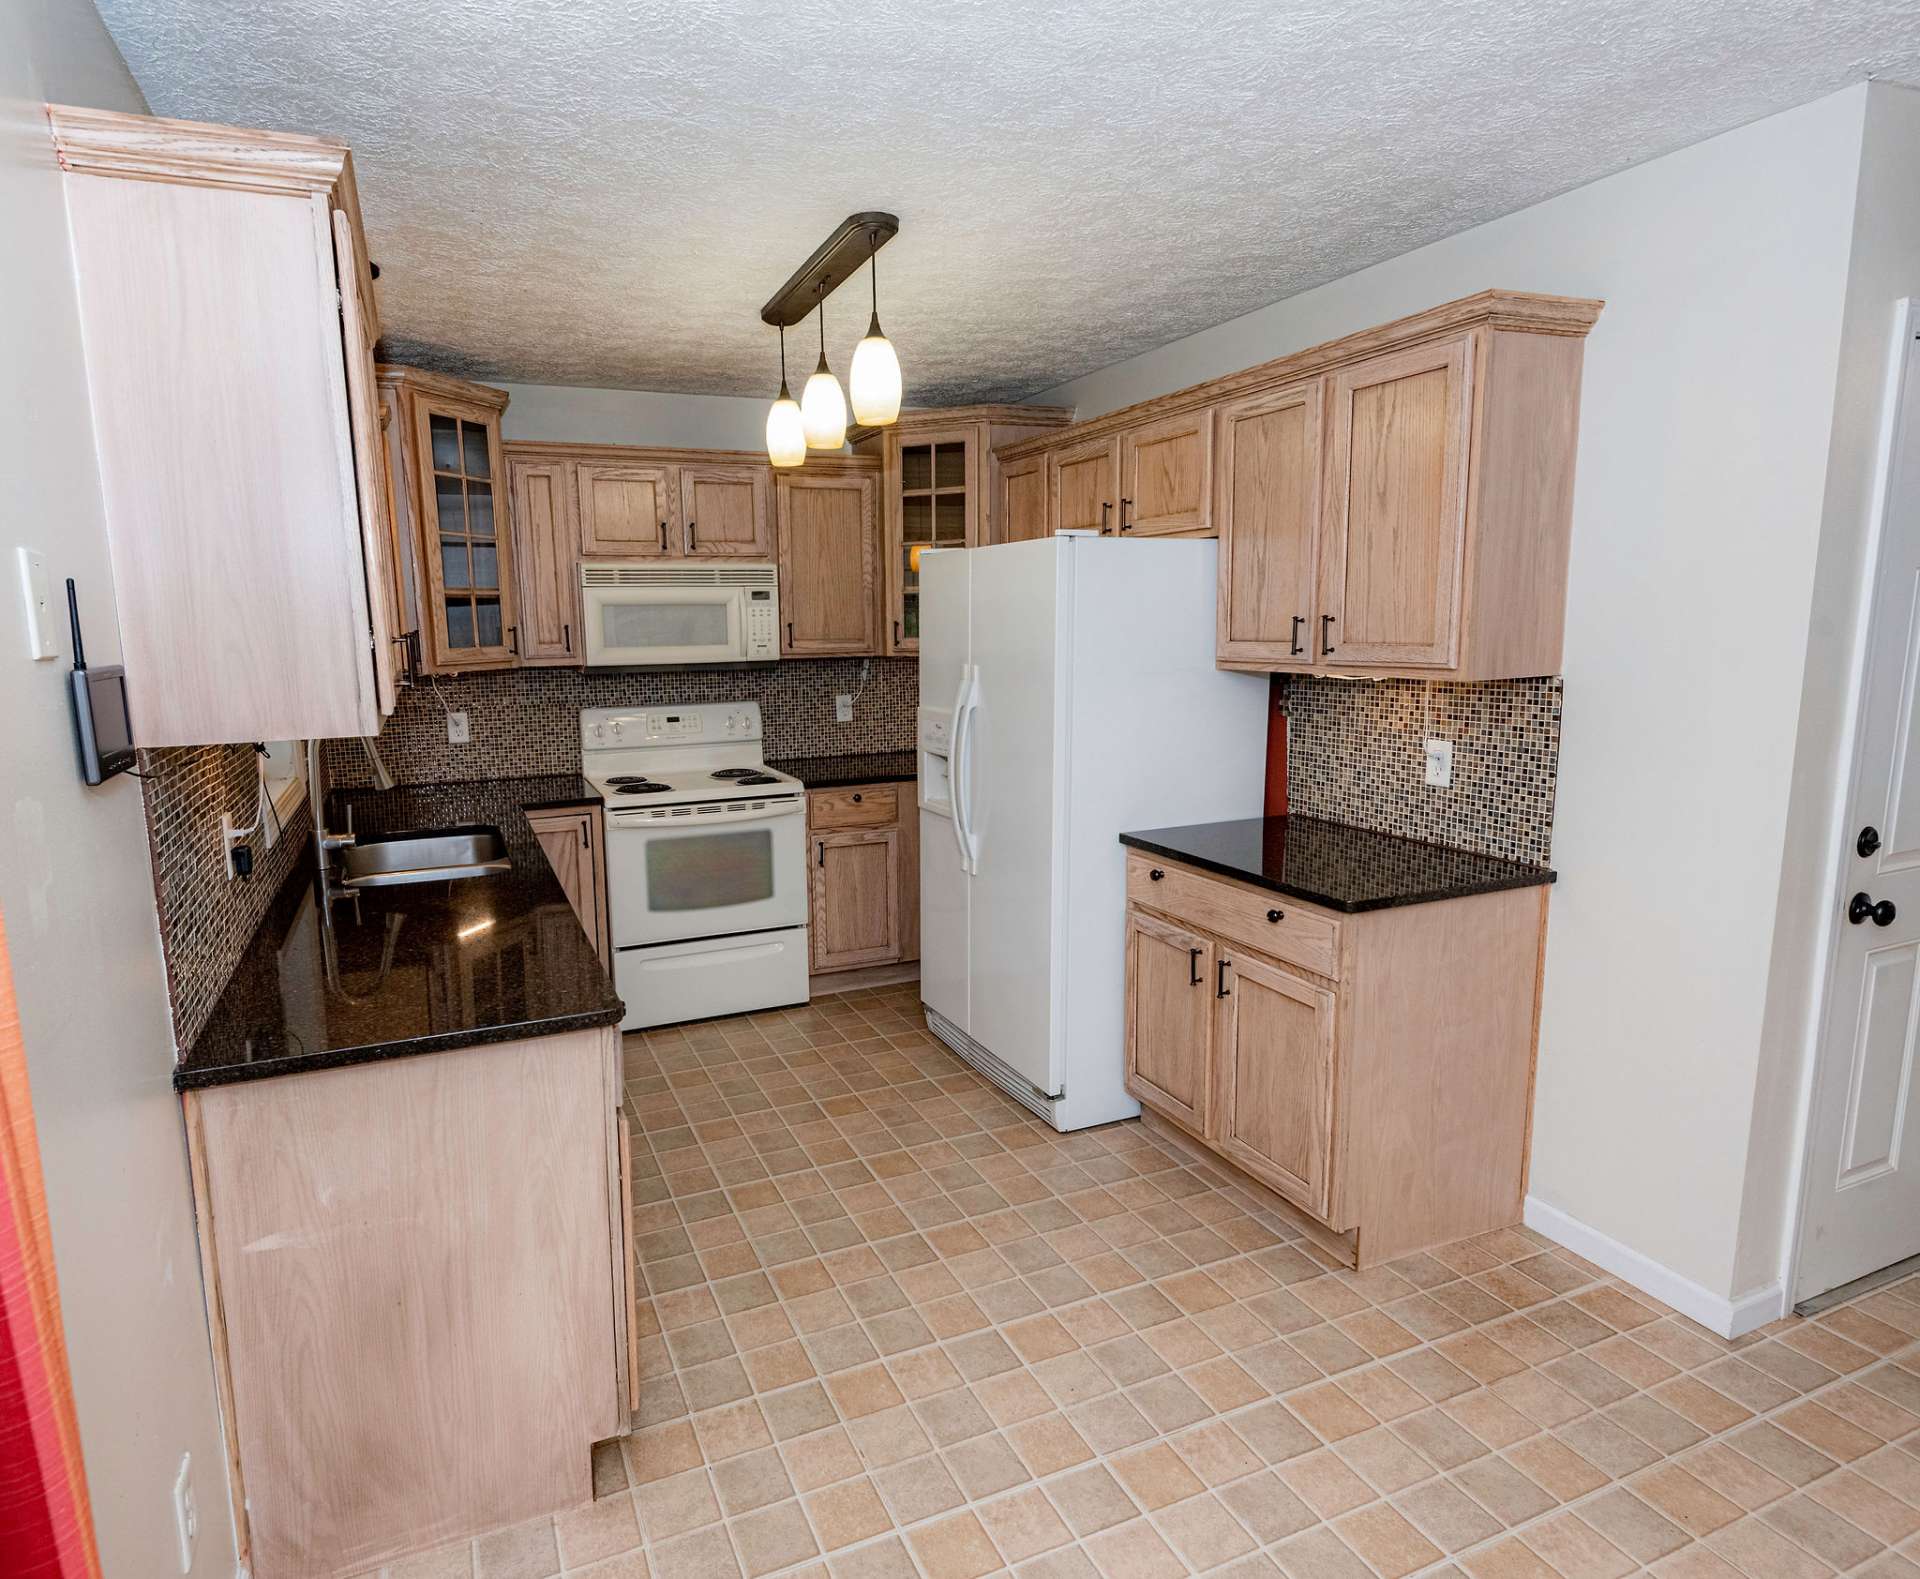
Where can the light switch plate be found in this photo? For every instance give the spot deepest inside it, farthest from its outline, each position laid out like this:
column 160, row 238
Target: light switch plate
column 457, row 734
column 843, row 708
column 1440, row 763
column 43, row 640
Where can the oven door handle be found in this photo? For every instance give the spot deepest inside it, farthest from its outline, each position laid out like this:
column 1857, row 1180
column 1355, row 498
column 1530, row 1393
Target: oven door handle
column 645, row 822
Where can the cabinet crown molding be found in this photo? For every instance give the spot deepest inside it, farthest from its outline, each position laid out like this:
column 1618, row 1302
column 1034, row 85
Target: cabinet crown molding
column 1526, row 311
column 924, row 417
column 655, row 455
column 146, row 147
column 442, row 386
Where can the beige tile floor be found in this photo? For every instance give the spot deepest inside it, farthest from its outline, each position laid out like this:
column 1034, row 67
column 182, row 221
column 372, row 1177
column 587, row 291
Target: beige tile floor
column 895, row 1326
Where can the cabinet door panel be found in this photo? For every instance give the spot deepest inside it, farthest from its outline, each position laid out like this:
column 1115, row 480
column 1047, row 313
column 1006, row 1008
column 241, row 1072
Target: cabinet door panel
column 1390, row 579
column 1170, row 976
column 1274, row 1041
column 1023, row 509
column 567, row 839
column 466, row 543
column 547, row 556
column 627, row 512
column 1268, row 509
column 1082, row 485
column 1166, row 476
column 829, row 566
column 855, row 899
column 725, row 511
column 933, row 501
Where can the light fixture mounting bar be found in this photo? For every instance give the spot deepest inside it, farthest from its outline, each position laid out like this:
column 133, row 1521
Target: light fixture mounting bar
column 836, row 260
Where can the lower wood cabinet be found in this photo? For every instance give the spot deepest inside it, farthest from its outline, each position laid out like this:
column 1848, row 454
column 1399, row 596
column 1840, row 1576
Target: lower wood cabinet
column 575, row 840
column 864, row 877
column 1374, row 1070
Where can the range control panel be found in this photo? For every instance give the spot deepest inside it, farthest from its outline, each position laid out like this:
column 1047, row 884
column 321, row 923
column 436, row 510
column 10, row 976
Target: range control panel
column 698, row 723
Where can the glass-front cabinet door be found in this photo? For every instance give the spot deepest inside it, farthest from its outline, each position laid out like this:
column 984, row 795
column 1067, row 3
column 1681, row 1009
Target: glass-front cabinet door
column 934, row 504
column 470, row 615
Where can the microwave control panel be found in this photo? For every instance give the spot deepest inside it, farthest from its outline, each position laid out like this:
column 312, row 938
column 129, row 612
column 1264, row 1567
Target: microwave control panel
column 763, row 624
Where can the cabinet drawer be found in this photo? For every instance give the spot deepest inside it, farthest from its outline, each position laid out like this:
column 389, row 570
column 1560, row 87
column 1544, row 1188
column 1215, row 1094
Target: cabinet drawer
column 1277, row 926
column 869, row 806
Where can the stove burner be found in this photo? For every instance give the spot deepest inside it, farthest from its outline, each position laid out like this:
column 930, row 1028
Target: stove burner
column 735, row 773
column 755, row 778
column 634, row 786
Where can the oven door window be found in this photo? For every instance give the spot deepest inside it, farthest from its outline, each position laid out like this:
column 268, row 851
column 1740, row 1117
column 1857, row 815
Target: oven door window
column 710, row 871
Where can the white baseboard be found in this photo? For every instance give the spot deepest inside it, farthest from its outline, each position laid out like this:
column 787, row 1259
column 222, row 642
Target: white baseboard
column 1731, row 1318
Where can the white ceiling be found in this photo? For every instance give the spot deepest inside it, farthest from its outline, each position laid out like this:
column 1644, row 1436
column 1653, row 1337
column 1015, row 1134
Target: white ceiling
column 604, row 192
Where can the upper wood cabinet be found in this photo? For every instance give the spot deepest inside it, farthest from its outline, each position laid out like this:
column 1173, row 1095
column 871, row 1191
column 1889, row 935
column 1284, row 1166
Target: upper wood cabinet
column 726, row 512
column 940, row 489
column 546, row 555
column 1268, row 510
column 1396, row 502
column 456, row 538
column 627, row 511
column 1023, row 500
column 227, row 314
column 1083, row 485
column 829, row 564
column 1166, row 476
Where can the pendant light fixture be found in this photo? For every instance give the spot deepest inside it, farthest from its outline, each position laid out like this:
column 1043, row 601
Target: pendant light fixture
column 823, row 409
column 786, row 432
column 873, row 380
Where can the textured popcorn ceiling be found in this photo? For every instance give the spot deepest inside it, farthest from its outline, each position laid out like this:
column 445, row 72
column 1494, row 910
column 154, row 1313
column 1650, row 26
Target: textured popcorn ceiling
column 604, row 192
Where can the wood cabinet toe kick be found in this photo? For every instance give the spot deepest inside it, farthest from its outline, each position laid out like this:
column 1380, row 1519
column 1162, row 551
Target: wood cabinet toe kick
column 1373, row 1070
column 419, row 1287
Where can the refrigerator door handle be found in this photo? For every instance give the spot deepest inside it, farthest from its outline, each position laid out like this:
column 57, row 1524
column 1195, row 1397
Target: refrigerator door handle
column 956, row 763
column 962, row 769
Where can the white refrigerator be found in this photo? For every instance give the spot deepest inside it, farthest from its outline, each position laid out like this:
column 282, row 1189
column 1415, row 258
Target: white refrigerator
column 1068, row 694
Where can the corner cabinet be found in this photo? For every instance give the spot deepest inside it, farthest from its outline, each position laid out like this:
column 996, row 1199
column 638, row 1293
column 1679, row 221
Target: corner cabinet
column 238, row 432
column 574, row 840
column 448, row 465
column 1396, row 502
column 1373, row 1070
column 939, row 483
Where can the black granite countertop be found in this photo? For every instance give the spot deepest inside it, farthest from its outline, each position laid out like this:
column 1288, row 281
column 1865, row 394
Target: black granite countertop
column 852, row 767
column 1334, row 864
column 414, row 969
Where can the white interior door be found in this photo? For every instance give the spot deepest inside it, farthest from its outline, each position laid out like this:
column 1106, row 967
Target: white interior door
column 1863, row 1185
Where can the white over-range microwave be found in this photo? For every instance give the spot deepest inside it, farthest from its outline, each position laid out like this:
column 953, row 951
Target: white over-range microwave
column 679, row 612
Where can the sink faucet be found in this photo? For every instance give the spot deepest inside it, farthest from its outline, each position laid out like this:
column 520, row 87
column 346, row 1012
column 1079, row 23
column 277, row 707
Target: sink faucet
column 325, row 839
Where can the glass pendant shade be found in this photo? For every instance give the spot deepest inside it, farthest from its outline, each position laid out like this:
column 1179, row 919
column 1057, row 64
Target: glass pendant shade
column 874, row 379
column 786, row 430
column 823, row 410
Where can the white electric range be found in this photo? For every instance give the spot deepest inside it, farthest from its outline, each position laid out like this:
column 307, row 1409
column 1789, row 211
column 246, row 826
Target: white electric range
column 706, row 861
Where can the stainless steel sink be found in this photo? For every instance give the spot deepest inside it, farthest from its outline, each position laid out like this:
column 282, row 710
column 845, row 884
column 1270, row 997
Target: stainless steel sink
column 385, row 861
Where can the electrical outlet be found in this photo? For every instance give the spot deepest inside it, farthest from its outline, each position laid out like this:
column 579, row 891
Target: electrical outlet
column 457, row 733
column 1440, row 763
column 843, row 708
column 186, row 1512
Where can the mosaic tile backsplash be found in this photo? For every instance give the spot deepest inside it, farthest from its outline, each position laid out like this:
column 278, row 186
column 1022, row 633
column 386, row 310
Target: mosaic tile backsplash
column 1356, row 754
column 525, row 722
column 207, row 917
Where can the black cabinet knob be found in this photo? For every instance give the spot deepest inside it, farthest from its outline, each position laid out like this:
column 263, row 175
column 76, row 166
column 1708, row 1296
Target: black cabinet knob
column 1276, row 915
column 1156, row 874
column 858, row 797
column 1862, row 908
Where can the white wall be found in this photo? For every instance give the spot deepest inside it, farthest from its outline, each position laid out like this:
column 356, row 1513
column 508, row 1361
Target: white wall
column 1706, row 412
column 76, row 888
column 633, row 416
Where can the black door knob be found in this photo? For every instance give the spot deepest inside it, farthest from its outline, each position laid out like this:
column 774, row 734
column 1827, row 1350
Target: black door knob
column 1862, row 908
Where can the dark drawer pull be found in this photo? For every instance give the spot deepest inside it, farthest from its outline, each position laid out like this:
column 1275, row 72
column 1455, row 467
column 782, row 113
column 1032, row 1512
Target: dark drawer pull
column 1193, row 966
column 858, row 798
column 1156, row 874
column 1220, row 988
column 1276, row 915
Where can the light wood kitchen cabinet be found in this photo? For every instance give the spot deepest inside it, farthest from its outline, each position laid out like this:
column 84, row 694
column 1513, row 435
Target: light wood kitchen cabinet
column 1169, row 1009
column 236, row 430
column 546, row 557
column 375, row 1238
column 829, row 565
column 1083, row 485
column 854, row 916
column 1268, row 512
column 575, row 841
column 627, row 510
column 1374, row 1070
column 726, row 511
column 1396, row 517
column 864, row 882
column 454, row 528
column 1395, row 502
column 940, row 489
column 1023, row 500
column 1166, row 476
